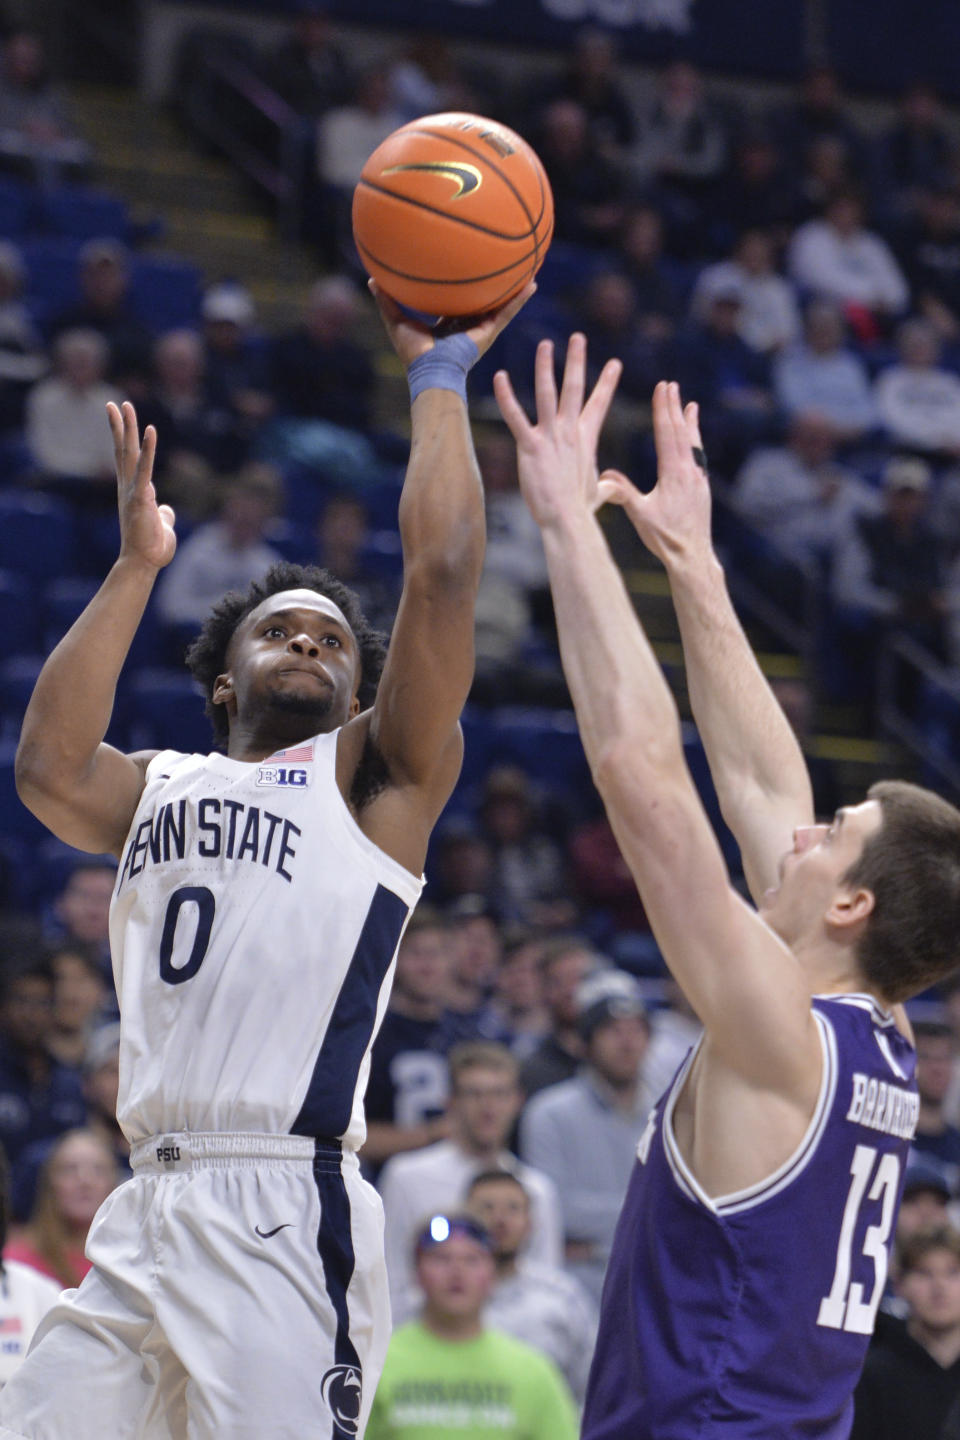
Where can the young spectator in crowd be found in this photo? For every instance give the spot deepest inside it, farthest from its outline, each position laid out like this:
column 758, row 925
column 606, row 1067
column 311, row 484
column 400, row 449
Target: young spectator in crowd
column 235, row 355
column 589, row 192
column 584, row 1132
column 911, row 1377
column 80, row 913
column 918, row 399
column 822, row 377
column 887, row 574
column 25, row 1295
column 187, row 417
column 529, row 880
column 461, row 862
column 936, row 1142
column 819, row 112
column 732, row 381
column 474, row 934
column 565, row 962
column 539, row 1304
column 640, row 254
column 76, row 1178
column 447, row 1373
column 318, row 371
column 517, row 1001
column 66, row 421
column 80, row 1000
column 22, row 357
column 913, row 152
column 37, row 129
column 343, row 532
column 225, row 553
column 924, row 1202
column 485, row 1099
column 39, row 1097
column 929, row 252
column 308, row 68
column 103, row 273
column 769, row 318
column 798, row 496
column 408, row 1085
column 837, row 258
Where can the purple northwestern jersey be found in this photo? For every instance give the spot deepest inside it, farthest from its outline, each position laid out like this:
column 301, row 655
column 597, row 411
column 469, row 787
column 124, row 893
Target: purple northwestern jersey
column 747, row 1316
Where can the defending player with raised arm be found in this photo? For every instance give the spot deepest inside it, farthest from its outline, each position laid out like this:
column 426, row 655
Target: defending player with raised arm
column 238, row 1285
column 752, row 1248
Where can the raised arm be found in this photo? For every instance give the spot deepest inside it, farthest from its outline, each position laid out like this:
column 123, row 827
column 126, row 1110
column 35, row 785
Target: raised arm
column 742, row 981
column 430, row 662
column 755, row 760
column 83, row 790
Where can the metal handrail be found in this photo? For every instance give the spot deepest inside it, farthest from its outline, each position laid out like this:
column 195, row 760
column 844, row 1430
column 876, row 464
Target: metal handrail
column 944, row 766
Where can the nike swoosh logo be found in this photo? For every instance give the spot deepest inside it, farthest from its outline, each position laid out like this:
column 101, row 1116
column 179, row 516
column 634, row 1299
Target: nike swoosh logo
column 465, row 177
column 267, row 1234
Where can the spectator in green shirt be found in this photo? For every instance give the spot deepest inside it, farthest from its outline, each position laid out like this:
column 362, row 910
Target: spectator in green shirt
column 448, row 1377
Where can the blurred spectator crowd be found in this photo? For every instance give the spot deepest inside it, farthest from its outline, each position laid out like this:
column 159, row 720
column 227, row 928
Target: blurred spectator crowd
column 800, row 276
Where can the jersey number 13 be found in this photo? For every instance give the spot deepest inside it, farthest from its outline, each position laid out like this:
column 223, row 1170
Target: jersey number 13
column 845, row 1308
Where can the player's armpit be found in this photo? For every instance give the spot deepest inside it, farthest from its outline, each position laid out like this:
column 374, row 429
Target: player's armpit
column 92, row 811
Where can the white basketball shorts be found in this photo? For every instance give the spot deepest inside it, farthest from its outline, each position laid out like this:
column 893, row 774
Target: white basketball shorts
column 238, row 1292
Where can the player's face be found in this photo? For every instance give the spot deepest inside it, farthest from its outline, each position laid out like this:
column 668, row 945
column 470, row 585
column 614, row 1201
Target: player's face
column 456, row 1277
column 811, row 874
column 932, row 1290
column 485, row 1103
column 504, row 1211
column 293, row 656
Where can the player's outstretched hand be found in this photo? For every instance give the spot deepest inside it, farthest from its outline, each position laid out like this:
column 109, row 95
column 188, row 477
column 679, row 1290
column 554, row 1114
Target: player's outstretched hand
column 558, row 456
column 146, row 528
column 411, row 338
column 673, row 520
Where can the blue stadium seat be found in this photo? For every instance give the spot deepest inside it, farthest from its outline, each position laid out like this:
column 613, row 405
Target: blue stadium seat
column 52, row 283
column 36, row 535
column 16, row 820
column 63, row 601
column 16, row 208
column 84, row 214
column 18, row 675
column 166, row 292
column 166, row 711
column 19, row 616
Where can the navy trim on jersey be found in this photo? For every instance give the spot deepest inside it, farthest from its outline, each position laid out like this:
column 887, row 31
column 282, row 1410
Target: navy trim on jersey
column 335, row 1248
column 328, row 1103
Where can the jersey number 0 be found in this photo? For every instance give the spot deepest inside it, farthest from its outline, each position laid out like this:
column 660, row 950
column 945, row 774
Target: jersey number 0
column 203, row 898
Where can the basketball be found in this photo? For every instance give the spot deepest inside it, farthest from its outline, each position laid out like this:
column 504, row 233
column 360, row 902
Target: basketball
column 452, row 214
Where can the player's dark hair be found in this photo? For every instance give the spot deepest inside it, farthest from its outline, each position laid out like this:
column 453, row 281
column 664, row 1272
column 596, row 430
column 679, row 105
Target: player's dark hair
column 207, row 656
column 912, row 867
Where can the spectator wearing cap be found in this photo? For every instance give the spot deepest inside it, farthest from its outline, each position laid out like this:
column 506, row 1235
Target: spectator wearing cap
column 584, row 1132
column 236, row 357
column 539, row 1304
column 447, row 1372
column 485, row 1099
column 225, row 553
column 25, row 1295
column 911, row 1376
column 564, row 962
column 924, row 1201
column 936, row 1142
column 917, row 398
column 888, row 573
column 529, row 881
column 105, row 305
column 22, row 357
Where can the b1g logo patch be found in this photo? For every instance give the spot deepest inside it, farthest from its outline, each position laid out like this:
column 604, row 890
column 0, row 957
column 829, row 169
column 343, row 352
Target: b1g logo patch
column 341, row 1388
column 285, row 777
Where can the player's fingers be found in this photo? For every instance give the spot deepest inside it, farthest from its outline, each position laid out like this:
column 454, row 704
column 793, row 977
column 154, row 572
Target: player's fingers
column 664, row 431
column 385, row 303
column 691, row 413
column 168, row 514
column 510, row 408
column 601, row 397
column 148, row 450
column 545, row 383
column 574, row 377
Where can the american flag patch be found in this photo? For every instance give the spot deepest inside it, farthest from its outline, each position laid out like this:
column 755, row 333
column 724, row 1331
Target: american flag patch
column 10, row 1325
column 299, row 753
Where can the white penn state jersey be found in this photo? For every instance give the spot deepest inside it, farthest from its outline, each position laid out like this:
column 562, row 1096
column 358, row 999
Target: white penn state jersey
column 254, row 930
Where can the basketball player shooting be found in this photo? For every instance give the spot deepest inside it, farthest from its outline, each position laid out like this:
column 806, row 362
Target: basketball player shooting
column 238, row 1285
column 753, row 1245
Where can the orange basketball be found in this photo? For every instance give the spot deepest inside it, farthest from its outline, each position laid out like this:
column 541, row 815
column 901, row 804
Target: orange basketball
column 452, row 214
